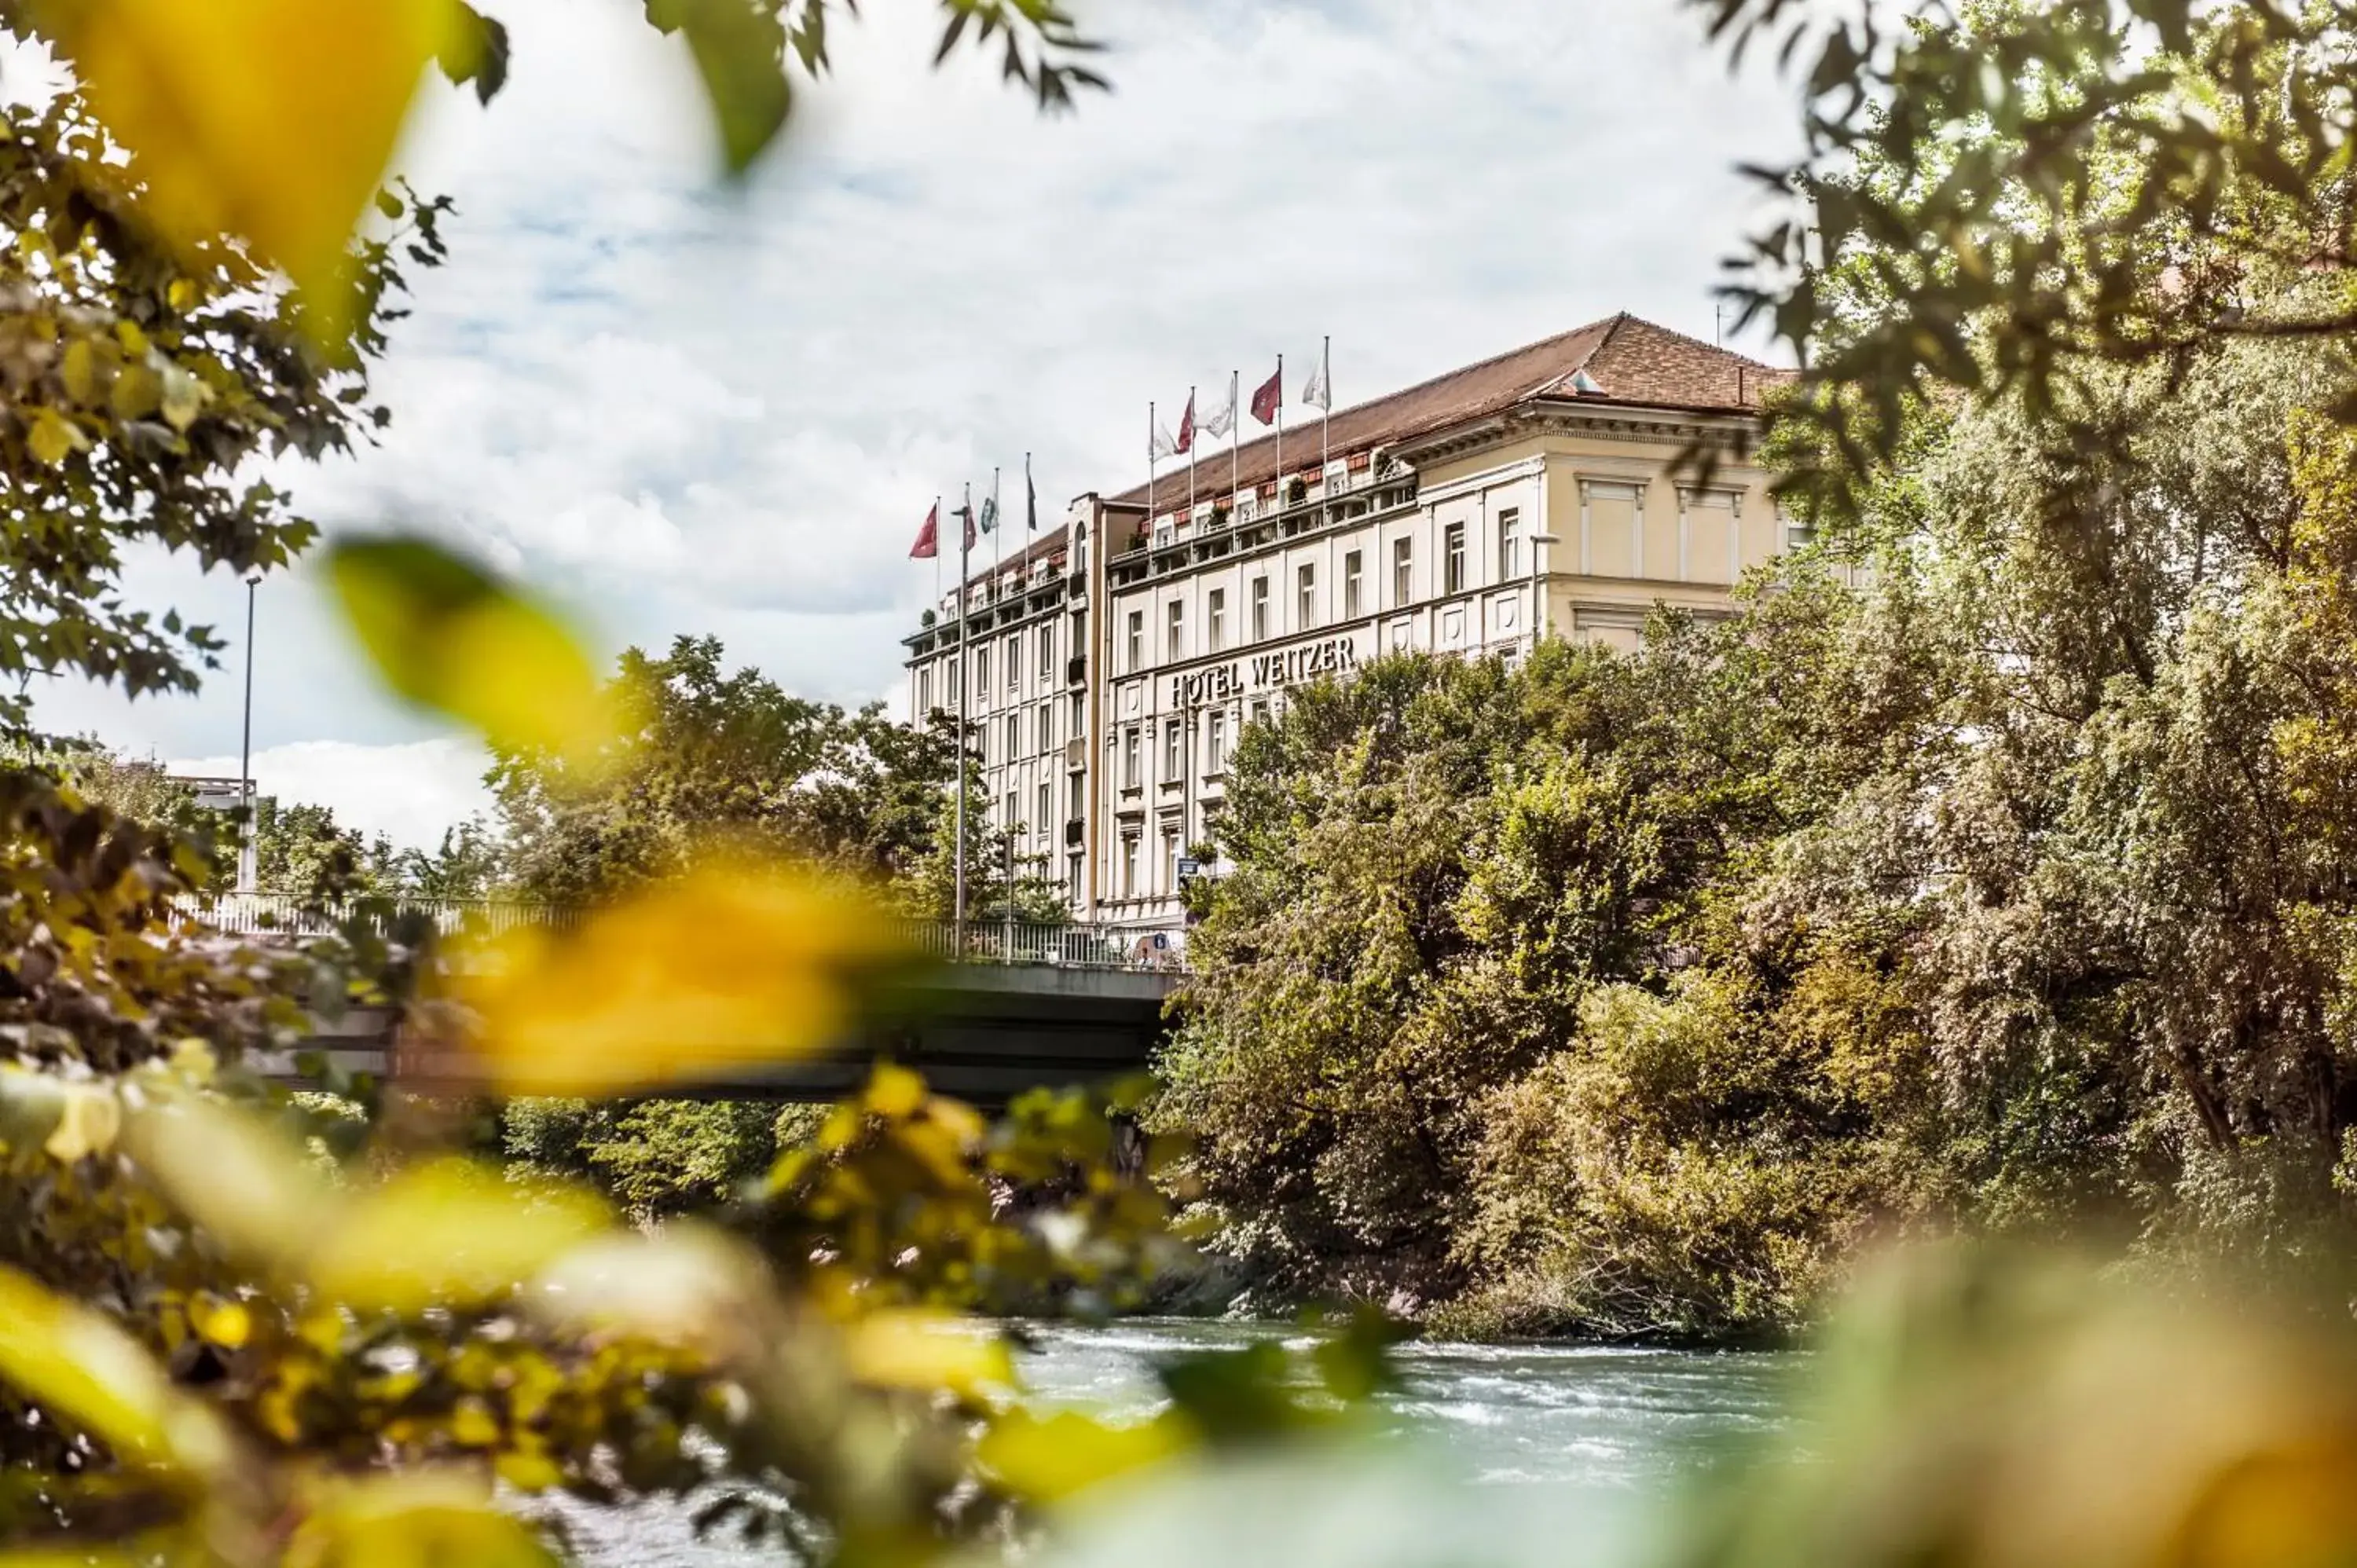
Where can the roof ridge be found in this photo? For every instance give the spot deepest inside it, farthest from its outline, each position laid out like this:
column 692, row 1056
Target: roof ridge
column 1496, row 358
column 1690, row 337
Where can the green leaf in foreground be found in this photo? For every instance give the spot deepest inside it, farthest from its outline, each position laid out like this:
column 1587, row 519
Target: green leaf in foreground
column 447, row 636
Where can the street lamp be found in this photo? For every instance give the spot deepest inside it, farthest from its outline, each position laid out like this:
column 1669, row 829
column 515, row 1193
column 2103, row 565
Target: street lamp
column 245, row 855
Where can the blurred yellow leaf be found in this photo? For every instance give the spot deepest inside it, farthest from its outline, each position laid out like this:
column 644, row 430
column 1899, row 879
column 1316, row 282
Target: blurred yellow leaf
column 927, row 1351
column 234, row 1175
column 445, row 635
column 53, row 437
column 227, row 1323
column 1048, row 1457
column 447, row 1232
column 269, row 119
column 895, row 1092
column 421, row 1519
column 724, row 967
column 87, row 1371
column 89, row 1120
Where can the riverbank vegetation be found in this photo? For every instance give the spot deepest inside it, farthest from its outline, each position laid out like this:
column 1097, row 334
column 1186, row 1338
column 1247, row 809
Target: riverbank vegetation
column 1987, row 869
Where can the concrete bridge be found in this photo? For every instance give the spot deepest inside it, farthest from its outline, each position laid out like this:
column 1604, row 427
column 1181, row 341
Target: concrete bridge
column 1002, row 1006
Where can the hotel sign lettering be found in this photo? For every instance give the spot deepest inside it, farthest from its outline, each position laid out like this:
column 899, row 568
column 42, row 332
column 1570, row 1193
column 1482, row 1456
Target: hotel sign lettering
column 1289, row 667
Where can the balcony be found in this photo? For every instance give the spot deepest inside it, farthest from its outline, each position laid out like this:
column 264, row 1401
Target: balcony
column 1074, row 831
column 1076, row 669
column 1076, row 754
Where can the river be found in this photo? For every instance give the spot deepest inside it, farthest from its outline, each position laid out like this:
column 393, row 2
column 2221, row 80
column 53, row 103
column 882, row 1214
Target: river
column 1491, row 1454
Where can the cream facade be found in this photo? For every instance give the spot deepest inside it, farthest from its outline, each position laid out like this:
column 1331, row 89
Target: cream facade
column 1519, row 508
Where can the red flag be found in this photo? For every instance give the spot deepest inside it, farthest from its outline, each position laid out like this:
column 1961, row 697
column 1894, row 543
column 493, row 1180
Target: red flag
column 1270, row 393
column 1187, row 426
column 929, row 538
column 966, row 512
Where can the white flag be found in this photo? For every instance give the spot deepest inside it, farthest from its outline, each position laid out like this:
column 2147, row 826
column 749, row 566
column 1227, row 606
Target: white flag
column 1220, row 420
column 1320, row 392
column 1162, row 443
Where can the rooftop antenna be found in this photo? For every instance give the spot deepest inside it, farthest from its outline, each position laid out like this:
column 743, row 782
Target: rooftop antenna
column 1718, row 324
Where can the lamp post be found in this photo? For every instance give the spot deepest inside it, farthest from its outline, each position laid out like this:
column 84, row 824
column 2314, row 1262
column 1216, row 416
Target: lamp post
column 245, row 849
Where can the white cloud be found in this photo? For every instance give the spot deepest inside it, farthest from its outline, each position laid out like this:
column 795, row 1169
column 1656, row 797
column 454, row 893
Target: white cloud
column 411, row 793
column 681, row 407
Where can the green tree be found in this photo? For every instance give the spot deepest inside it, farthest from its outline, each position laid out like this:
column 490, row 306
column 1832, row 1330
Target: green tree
column 717, row 761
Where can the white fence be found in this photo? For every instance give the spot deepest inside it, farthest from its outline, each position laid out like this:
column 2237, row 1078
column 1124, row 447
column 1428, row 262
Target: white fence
column 278, row 914
column 980, row 941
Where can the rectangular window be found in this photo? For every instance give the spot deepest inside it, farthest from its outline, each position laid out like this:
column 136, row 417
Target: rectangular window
column 1129, row 866
column 1076, row 791
column 1260, row 609
column 924, row 693
column 1014, row 737
column 1047, row 650
column 1072, row 877
column 1039, row 824
column 1170, row 859
column 1129, row 757
column 1007, row 822
column 1014, row 661
column 1260, row 712
column 1174, row 753
column 1305, row 593
column 1215, row 741
column 1080, row 716
column 1175, row 648
column 1453, row 559
column 1509, row 544
column 1047, row 735
column 1136, row 639
column 981, row 671
column 1403, row 571
column 1216, row 621
column 1351, row 575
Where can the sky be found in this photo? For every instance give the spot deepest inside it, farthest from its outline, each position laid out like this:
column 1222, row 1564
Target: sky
column 679, row 406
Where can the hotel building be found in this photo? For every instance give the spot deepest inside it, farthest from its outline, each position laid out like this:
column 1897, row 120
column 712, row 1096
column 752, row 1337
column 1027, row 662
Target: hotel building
column 1112, row 663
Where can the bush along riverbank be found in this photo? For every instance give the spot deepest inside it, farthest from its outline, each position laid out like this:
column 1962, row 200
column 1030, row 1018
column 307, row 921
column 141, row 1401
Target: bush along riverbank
column 1945, row 886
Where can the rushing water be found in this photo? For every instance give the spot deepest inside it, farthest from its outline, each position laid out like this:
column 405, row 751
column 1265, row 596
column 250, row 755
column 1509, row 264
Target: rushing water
column 1564, row 1455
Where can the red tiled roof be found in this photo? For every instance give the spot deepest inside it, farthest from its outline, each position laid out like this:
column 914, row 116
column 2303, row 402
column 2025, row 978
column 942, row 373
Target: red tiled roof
column 1625, row 360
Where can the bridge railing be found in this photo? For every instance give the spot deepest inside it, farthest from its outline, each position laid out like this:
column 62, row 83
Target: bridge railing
column 1074, row 946
column 279, row 914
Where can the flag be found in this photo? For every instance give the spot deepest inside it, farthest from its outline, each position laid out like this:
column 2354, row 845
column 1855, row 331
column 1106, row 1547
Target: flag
column 1186, row 426
column 929, row 538
column 1269, row 396
column 1223, row 420
column 1320, row 392
column 1162, row 445
column 1030, row 498
column 989, row 513
column 966, row 512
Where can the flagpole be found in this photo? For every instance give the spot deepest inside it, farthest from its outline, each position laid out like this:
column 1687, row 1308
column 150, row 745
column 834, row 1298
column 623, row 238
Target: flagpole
column 997, row 526
column 965, row 681
column 1191, row 445
column 1280, row 432
column 1326, row 414
column 1151, row 430
column 937, row 570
